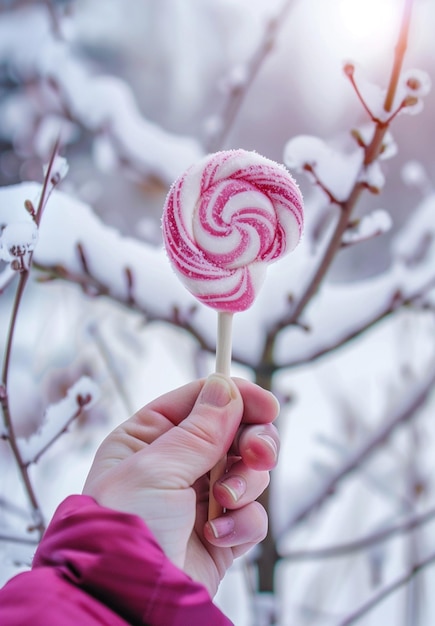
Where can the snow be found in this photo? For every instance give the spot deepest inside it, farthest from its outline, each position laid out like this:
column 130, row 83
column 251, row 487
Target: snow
column 416, row 82
column 330, row 405
column 18, row 239
column 82, row 395
column 376, row 223
column 225, row 220
column 6, row 275
column 340, row 309
column 58, row 170
column 51, row 128
column 235, row 79
column 415, row 244
column 415, row 175
column 97, row 102
column 336, row 171
column 373, row 177
column 413, row 83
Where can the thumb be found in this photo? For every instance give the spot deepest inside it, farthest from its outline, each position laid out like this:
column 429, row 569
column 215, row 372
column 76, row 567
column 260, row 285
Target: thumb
column 193, row 447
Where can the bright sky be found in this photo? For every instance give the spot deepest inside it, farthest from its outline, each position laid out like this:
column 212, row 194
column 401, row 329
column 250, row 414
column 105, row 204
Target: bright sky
column 361, row 20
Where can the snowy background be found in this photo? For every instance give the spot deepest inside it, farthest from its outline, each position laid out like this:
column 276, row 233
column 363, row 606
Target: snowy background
column 140, row 90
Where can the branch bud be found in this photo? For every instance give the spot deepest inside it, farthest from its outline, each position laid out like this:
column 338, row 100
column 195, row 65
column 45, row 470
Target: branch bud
column 307, row 167
column 83, row 400
column 349, row 69
column 3, row 392
column 28, row 205
column 409, row 101
column 358, row 137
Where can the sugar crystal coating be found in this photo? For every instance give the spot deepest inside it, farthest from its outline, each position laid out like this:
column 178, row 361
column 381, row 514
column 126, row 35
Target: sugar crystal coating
column 224, row 220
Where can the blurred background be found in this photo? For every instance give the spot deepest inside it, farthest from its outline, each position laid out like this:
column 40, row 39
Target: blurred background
column 141, row 89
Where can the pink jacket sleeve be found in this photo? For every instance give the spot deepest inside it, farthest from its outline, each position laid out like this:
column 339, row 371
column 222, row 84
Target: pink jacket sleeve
column 97, row 567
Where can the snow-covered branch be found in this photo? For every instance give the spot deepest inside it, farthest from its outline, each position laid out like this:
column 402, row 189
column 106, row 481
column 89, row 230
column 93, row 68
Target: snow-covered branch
column 76, row 246
column 58, row 417
column 242, row 77
column 75, row 96
column 17, row 244
column 407, row 409
column 369, row 226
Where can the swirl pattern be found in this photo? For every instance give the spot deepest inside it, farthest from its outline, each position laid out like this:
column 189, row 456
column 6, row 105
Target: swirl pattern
column 224, row 220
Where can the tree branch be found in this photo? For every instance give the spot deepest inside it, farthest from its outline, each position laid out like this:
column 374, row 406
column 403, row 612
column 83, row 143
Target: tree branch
column 384, row 593
column 56, row 436
column 407, row 410
column 372, row 539
column 397, row 302
column 91, row 286
column 238, row 92
column 372, row 151
column 4, row 395
column 401, row 46
column 16, row 539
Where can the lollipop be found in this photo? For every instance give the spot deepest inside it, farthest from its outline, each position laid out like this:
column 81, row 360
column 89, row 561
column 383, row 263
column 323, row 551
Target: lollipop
column 225, row 219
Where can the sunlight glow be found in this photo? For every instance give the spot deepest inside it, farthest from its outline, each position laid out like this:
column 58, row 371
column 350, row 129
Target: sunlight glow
column 365, row 20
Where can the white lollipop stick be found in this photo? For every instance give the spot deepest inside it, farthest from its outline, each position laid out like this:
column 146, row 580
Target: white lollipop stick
column 224, row 341
column 223, row 366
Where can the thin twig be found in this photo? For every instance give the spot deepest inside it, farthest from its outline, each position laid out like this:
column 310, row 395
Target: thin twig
column 46, row 191
column 308, row 167
column 401, row 46
column 107, row 357
column 349, row 70
column 92, row 285
column 397, row 302
column 408, row 409
column 386, row 591
column 347, row 207
column 372, row 539
column 4, row 401
column 16, row 539
column 13, row 509
column 56, row 436
column 320, row 273
column 238, row 93
column 54, row 18
column 4, row 395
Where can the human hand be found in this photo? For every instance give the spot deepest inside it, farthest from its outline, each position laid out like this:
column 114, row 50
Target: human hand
column 155, row 465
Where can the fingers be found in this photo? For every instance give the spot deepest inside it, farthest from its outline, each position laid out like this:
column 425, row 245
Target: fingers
column 259, row 407
column 208, row 414
column 239, row 529
column 202, row 438
column 175, row 405
column 206, row 434
column 258, row 446
column 240, row 486
column 247, row 478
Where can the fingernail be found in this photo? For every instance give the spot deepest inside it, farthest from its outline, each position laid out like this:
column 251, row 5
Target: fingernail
column 270, row 442
column 235, row 485
column 216, row 391
column 221, row 526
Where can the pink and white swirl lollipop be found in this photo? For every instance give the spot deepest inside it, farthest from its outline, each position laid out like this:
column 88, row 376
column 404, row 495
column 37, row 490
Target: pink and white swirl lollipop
column 225, row 219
